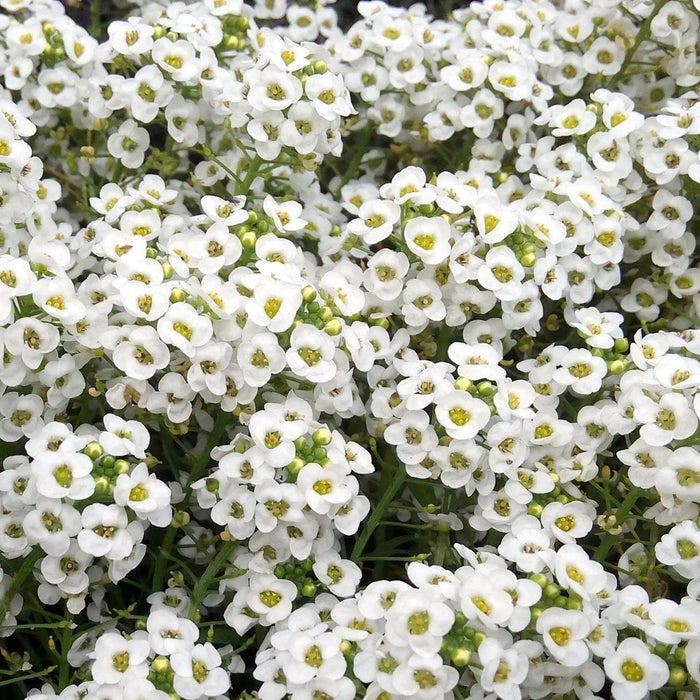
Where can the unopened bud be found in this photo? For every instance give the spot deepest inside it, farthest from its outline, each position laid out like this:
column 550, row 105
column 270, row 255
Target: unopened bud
column 177, row 295
column 322, row 436
column 93, row 450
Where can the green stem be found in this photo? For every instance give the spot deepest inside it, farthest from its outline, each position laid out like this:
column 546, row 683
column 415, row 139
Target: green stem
column 207, row 153
column 209, row 574
column 642, row 35
column 200, row 465
column 64, row 666
column 95, row 18
column 391, row 490
column 28, row 676
column 117, row 172
column 609, row 540
column 18, row 582
column 358, row 153
column 161, row 562
column 443, row 542
column 253, row 170
column 398, row 523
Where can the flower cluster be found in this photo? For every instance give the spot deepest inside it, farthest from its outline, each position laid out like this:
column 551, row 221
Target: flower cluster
column 350, row 362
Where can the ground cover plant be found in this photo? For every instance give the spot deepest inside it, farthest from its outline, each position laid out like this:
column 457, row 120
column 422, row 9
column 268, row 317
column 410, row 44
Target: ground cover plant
column 349, row 359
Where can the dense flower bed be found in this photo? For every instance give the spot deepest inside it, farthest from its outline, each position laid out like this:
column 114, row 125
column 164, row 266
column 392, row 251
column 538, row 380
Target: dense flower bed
column 349, row 363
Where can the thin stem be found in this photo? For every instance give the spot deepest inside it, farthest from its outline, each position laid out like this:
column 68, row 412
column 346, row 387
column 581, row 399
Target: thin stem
column 252, row 173
column 391, row 490
column 642, row 35
column 443, row 542
column 161, row 562
column 18, row 581
column 200, row 465
column 208, row 576
column 64, row 666
column 28, row 676
column 609, row 540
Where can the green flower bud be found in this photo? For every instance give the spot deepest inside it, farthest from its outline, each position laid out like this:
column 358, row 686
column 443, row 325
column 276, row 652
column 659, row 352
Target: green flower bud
column 103, row 487
column 177, row 295
column 540, row 579
column 460, row 656
column 93, row 450
column 180, row 519
column 249, row 238
column 478, row 638
column 309, row 589
column 528, row 259
column 463, row 384
column 308, row 294
column 617, row 366
column 121, row 466
column 160, row 664
column 534, row 509
column 574, row 602
column 485, row 388
column 322, row 436
column 333, row 327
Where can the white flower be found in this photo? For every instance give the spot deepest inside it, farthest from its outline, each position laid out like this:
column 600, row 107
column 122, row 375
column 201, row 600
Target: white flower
column 461, row 414
column 311, row 353
column 680, row 548
column 51, row 524
column 185, row 328
column 581, row 371
column 428, row 238
column 129, row 144
column 277, row 502
column 425, row 677
column 634, row 670
column 142, row 353
column 107, row 532
column 117, row 659
column 285, row 215
column 68, row 571
column 259, row 358
column 341, row 576
column 131, row 37
column 669, row 419
column 328, row 95
column 31, row 339
column 63, row 474
column 324, row 487
column 375, row 222
column 198, row 672
column 504, row 669
column 564, row 633
column 177, row 58
column 418, row 621
column 146, row 495
column 21, row 415
column 168, row 632
column 502, row 273
column 271, row 598
column 481, row 600
column 235, row 510
column 674, row 622
column 528, row 545
column 121, row 437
